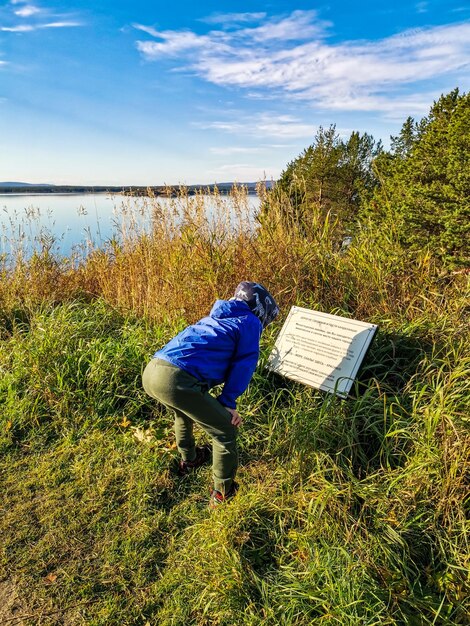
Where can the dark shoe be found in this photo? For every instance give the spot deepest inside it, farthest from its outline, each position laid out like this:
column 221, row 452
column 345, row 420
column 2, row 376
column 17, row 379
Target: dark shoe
column 203, row 454
column 218, row 498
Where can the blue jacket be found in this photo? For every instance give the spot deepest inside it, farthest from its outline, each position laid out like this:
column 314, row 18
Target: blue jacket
column 221, row 348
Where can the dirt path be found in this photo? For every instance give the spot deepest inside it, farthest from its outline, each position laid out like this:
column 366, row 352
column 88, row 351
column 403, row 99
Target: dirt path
column 10, row 605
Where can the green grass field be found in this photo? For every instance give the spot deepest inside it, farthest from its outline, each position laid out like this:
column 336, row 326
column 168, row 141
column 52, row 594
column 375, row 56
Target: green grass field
column 350, row 512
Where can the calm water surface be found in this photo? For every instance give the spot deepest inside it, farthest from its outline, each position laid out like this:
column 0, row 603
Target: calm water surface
column 69, row 221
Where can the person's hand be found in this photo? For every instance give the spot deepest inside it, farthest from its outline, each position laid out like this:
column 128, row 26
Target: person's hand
column 236, row 419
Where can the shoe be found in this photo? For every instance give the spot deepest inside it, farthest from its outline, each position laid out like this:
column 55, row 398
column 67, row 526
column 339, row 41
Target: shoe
column 203, row 454
column 218, row 498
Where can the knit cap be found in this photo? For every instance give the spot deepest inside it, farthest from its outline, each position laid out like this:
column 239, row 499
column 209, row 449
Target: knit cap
column 260, row 301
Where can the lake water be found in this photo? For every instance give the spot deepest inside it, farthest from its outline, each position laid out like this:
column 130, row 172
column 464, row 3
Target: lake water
column 69, row 221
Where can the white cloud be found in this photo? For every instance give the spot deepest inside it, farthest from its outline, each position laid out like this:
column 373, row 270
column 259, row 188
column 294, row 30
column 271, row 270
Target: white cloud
column 24, row 28
column 243, row 172
column 261, row 149
column 27, row 11
column 232, row 18
column 265, row 125
column 17, row 29
column 40, row 18
column 301, row 25
column 146, row 29
column 291, row 56
column 228, row 150
column 64, row 24
column 172, row 44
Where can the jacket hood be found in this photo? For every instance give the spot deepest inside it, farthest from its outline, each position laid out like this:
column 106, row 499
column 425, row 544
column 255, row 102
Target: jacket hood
column 259, row 300
column 229, row 308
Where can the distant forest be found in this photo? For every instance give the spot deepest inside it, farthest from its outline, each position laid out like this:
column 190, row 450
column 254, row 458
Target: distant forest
column 160, row 190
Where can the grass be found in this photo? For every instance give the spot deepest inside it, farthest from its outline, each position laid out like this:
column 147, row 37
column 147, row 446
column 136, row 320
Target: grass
column 350, row 512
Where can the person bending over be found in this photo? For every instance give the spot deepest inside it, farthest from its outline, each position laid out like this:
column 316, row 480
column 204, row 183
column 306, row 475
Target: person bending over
column 222, row 348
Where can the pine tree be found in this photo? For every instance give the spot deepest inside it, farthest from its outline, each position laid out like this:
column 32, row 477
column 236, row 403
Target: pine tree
column 425, row 181
column 329, row 179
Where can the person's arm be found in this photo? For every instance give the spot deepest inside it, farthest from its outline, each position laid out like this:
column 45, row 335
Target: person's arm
column 243, row 363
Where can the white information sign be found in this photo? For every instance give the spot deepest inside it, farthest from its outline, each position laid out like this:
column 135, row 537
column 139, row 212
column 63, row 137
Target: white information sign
column 321, row 350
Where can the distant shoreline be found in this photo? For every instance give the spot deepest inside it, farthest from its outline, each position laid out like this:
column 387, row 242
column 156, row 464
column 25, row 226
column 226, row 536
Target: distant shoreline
column 165, row 191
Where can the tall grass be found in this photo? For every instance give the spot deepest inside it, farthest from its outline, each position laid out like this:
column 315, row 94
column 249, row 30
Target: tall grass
column 350, row 512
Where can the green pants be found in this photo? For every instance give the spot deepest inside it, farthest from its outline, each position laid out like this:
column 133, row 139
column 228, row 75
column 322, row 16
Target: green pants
column 192, row 403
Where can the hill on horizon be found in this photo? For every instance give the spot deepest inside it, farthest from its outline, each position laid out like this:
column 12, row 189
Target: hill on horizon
column 18, row 184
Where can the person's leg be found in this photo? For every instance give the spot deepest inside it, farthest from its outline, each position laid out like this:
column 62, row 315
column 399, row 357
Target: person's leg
column 157, row 381
column 184, row 435
column 184, row 393
column 215, row 420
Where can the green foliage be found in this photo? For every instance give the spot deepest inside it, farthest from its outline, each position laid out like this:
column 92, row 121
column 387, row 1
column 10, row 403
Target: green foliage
column 349, row 512
column 329, row 179
column 65, row 369
column 420, row 189
column 425, row 182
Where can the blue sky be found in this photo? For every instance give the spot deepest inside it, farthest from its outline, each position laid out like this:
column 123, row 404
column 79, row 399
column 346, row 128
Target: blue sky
column 148, row 93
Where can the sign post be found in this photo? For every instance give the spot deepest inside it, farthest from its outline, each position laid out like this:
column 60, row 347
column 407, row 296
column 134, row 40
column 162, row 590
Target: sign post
column 321, row 350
